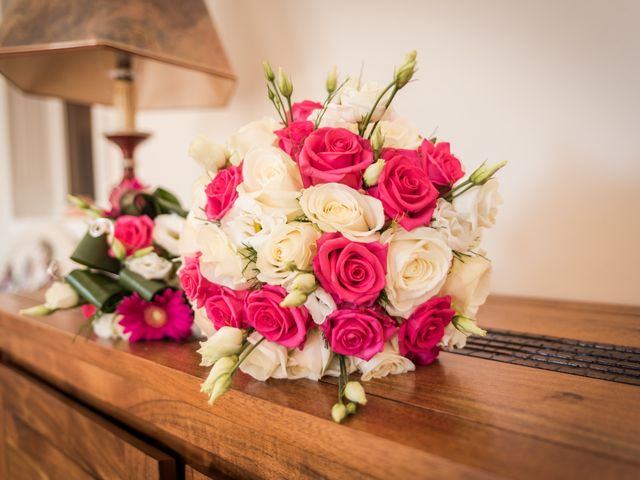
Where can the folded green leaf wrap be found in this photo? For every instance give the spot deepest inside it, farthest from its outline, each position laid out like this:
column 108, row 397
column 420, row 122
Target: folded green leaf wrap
column 100, row 290
column 136, row 283
column 159, row 202
column 93, row 252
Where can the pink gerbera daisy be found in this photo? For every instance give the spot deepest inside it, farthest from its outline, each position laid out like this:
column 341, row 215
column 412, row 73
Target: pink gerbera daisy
column 167, row 316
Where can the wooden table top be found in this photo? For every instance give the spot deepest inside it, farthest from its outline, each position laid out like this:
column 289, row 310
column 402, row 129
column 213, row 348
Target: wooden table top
column 461, row 417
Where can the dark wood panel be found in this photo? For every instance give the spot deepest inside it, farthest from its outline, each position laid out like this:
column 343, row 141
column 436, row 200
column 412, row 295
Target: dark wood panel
column 73, row 439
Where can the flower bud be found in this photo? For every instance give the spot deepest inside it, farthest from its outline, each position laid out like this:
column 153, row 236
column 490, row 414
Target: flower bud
column 117, row 249
column 372, row 173
column 268, row 72
column 483, row 173
column 226, row 341
column 352, row 408
column 222, row 367
column 404, row 74
column 60, row 295
column 284, row 83
column 411, row 56
column 142, row 252
column 220, row 387
column 304, row 282
column 468, row 326
column 270, row 94
column 377, row 139
column 78, row 202
column 354, row 391
column 37, row 311
column 332, row 80
column 294, row 299
column 338, row 412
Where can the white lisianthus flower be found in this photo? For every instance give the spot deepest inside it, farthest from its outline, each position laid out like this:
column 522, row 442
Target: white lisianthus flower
column 417, row 266
column 209, row 154
column 252, row 135
column 108, row 326
column 166, row 232
column 481, row 203
column 312, row 361
column 202, row 321
column 267, row 360
column 272, row 179
column 336, row 116
column 220, row 262
column 248, row 224
column 289, row 248
column 150, row 266
column 456, row 226
column 226, row 341
column 468, row 284
column 198, row 195
column 335, row 207
column 320, row 305
column 387, row 362
column 399, row 134
column 60, row 295
column 188, row 243
column 359, row 100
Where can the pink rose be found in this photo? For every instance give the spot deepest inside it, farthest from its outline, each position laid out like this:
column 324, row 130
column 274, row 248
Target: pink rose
column 286, row 326
column 302, row 110
column 443, row 168
column 134, row 232
column 358, row 332
column 419, row 335
column 292, row 137
column 225, row 307
column 221, row 192
column 405, row 191
column 334, row 155
column 350, row 271
column 195, row 286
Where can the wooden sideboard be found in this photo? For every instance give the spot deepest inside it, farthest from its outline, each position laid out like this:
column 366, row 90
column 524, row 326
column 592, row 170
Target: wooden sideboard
column 77, row 408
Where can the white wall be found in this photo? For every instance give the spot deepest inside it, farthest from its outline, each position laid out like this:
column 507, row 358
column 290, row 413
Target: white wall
column 551, row 86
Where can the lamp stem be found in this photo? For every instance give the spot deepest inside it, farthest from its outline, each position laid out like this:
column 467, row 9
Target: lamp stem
column 124, row 94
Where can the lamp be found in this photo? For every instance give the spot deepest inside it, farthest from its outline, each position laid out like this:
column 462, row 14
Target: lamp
column 127, row 53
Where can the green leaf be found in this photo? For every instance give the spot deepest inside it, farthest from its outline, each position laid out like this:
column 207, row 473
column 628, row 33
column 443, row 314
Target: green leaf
column 100, row 290
column 136, row 283
column 93, row 252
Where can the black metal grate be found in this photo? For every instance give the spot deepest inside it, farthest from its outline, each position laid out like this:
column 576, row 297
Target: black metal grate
column 615, row 363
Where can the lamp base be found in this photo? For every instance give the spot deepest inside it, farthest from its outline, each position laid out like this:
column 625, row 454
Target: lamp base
column 127, row 142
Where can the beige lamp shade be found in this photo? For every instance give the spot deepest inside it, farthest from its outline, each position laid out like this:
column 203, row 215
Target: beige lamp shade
column 67, row 49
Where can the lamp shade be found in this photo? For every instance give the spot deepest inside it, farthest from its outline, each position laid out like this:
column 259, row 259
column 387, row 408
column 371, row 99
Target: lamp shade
column 67, row 49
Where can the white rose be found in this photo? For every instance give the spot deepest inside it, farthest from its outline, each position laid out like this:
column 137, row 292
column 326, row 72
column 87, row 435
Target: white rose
column 387, row 362
column 360, row 99
column 289, row 248
column 202, row 321
column 333, row 370
column 207, row 153
column 188, row 243
column 400, row 134
column 456, row 226
column 272, row 179
column 320, row 305
column 166, row 232
column 224, row 342
column 452, row 338
column 312, row 361
column 60, row 295
column 267, row 360
column 108, row 326
column 335, row 207
column 248, row 224
column 150, row 266
column 468, row 284
column 481, row 203
column 198, row 195
column 417, row 266
column 255, row 134
column 220, row 262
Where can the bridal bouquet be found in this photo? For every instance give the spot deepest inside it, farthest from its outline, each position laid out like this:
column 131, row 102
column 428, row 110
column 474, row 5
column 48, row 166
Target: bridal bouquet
column 128, row 286
column 334, row 240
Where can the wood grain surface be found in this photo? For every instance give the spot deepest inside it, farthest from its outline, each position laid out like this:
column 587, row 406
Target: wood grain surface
column 462, row 417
